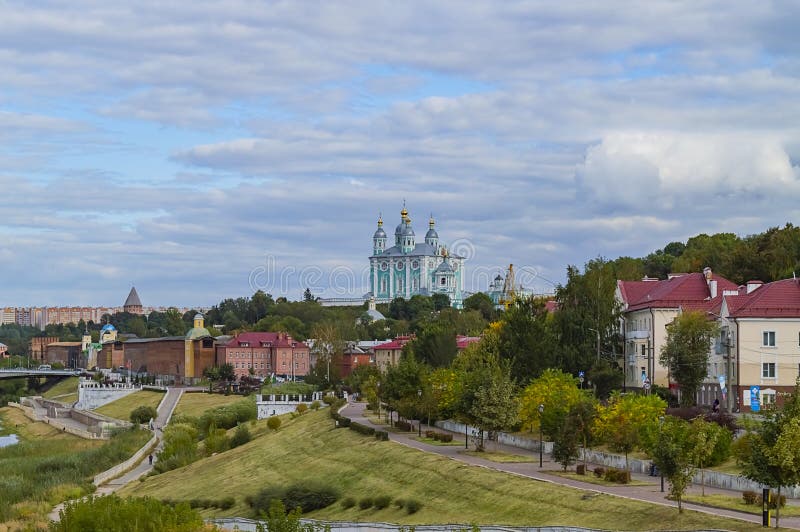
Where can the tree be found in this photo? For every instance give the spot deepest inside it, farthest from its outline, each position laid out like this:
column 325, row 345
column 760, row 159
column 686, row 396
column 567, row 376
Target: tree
column 526, row 339
column 436, row 345
column 565, row 445
column 686, row 352
column 773, row 458
column 329, row 349
column 482, row 303
column 143, row 414
column 558, row 392
column 212, row 374
column 623, row 423
column 672, row 450
column 703, row 439
column 580, row 419
column 494, row 407
column 440, row 301
column 308, row 296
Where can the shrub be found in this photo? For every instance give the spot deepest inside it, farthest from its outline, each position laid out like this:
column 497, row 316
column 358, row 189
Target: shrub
column 749, row 497
column 403, row 425
column 430, row 434
column 365, row 503
column 315, row 405
column 580, row 469
column 399, row 503
column 446, row 438
column 302, row 408
column 241, row 436
column 774, row 500
column 620, row 476
column 412, row 506
column 106, row 513
column 226, row 503
column 343, row 421
column 381, row 435
column 143, row 414
column 273, row 423
column 599, row 472
column 348, row 502
column 307, row 495
column 382, row 502
column 329, row 399
column 362, row 429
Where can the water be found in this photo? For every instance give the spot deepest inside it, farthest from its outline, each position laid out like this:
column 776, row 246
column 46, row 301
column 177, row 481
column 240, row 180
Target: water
column 11, row 439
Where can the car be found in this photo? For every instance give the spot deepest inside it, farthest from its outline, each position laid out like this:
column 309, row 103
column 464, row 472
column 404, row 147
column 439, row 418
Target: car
column 44, row 367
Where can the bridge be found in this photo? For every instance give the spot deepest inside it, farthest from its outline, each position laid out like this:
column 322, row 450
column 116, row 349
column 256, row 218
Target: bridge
column 16, row 373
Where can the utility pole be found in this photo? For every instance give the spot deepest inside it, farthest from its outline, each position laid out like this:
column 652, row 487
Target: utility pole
column 729, row 372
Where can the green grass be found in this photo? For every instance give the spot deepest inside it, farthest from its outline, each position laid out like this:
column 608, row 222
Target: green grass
column 728, row 466
column 49, row 465
column 736, row 503
column 591, row 479
column 450, row 491
column 431, row 441
column 288, row 388
column 121, row 408
column 65, row 390
column 196, row 404
column 499, row 456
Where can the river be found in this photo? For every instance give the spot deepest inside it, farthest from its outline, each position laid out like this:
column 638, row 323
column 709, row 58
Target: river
column 11, row 439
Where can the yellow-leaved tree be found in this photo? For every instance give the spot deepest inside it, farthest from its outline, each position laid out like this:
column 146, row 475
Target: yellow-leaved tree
column 557, row 392
column 623, row 422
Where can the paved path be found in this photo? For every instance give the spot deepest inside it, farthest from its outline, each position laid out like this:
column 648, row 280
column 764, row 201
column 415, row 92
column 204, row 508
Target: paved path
column 649, row 493
column 165, row 410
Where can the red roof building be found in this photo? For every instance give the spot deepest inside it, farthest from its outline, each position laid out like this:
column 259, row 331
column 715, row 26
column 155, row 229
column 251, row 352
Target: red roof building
column 265, row 353
column 649, row 305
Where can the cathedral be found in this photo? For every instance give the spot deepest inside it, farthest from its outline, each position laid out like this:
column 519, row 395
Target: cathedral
column 411, row 268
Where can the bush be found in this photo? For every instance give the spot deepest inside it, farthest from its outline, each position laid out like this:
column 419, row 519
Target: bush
column 302, row 408
column 750, row 497
column 273, row 423
column 362, row 429
column 329, row 399
column 445, row 438
column 341, row 421
column 241, row 436
column 348, row 502
column 381, row 435
column 143, row 414
column 403, row 425
column 106, row 513
column 412, row 506
column 580, row 469
column 430, row 434
column 620, row 476
column 399, row 503
column 226, row 503
column 599, row 472
column 365, row 503
column 315, row 405
column 382, row 502
column 774, row 498
column 307, row 495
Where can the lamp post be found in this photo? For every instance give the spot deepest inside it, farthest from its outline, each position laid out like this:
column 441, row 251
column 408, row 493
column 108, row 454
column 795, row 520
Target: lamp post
column 660, row 428
column 378, row 386
column 541, row 437
column 419, row 413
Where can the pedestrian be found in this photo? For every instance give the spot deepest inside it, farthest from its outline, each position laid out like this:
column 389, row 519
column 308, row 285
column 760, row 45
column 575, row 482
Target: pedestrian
column 715, row 407
column 151, row 459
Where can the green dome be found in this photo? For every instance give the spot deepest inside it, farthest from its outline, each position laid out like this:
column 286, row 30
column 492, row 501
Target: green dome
column 197, row 332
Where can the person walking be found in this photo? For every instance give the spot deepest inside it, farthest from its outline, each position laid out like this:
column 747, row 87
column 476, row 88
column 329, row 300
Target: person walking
column 715, row 406
column 151, row 459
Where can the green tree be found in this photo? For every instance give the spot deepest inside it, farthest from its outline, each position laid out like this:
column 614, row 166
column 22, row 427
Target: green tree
column 703, row 439
column 526, row 339
column 672, row 450
column 143, row 414
column 494, row 407
column 482, row 303
column 686, row 352
column 440, row 301
column 180, row 447
column 773, row 458
column 435, row 345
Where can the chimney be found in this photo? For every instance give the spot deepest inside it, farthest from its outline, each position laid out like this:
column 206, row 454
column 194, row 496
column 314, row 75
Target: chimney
column 712, row 287
column 754, row 285
column 708, row 273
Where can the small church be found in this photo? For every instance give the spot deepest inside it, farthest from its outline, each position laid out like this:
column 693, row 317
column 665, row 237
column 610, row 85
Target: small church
column 410, row 268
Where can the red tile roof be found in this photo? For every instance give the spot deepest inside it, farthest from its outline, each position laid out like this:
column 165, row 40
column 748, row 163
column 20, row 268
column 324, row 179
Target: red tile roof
column 689, row 291
column 463, row 341
column 255, row 339
column 397, row 343
column 779, row 299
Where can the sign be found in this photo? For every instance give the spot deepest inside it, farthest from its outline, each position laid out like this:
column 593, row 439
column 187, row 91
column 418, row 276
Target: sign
column 644, row 376
column 755, row 398
column 580, row 374
column 722, row 383
column 646, row 384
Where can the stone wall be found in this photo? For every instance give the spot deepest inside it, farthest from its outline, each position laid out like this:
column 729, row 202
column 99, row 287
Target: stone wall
column 93, row 395
column 513, row 440
column 276, row 405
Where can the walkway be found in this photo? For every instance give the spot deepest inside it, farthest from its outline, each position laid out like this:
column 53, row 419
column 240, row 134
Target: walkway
column 165, row 410
column 648, row 493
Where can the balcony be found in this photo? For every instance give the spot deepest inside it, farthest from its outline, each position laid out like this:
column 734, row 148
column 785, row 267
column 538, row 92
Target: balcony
column 637, row 335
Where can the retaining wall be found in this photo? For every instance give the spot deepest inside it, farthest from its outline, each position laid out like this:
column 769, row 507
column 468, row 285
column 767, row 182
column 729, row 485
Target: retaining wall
column 130, row 463
column 502, row 437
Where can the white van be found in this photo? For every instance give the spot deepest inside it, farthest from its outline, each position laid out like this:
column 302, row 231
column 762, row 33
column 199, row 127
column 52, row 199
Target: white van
column 45, row 367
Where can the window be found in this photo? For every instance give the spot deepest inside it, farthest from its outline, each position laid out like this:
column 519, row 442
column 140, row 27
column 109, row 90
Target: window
column 769, row 339
column 768, row 370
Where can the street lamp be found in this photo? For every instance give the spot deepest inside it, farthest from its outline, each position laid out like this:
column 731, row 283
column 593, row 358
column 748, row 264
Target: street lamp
column 419, row 413
column 378, row 386
column 660, row 427
column 541, row 437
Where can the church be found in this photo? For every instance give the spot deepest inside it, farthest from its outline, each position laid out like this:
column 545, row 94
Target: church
column 410, row 268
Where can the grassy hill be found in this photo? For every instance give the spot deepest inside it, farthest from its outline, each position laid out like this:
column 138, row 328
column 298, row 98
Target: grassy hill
column 450, row 491
column 65, row 390
column 121, row 408
column 195, row 404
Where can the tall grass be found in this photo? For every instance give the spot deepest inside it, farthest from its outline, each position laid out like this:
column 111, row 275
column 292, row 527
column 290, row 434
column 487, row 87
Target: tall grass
column 34, row 470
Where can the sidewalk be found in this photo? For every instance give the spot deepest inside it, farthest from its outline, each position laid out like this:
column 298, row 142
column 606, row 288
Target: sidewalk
column 165, row 410
column 648, row 493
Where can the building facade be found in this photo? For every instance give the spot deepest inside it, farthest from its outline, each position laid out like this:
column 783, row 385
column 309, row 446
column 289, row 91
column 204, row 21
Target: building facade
column 265, row 353
column 648, row 306
column 410, row 268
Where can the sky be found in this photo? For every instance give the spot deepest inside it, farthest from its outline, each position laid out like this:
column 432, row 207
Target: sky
column 202, row 150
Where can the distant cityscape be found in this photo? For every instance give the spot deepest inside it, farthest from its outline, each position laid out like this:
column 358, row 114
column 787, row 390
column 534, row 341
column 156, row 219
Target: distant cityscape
column 41, row 317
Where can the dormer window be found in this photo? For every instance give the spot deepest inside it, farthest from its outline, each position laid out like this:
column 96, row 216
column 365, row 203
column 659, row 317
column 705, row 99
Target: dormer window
column 244, row 344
